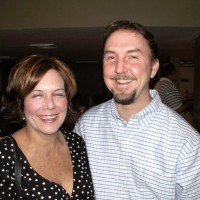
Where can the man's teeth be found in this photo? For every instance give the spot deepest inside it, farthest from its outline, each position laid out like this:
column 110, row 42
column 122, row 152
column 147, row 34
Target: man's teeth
column 123, row 81
column 47, row 117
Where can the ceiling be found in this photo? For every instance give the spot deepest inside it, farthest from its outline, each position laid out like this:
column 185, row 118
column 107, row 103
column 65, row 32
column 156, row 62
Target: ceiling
column 85, row 44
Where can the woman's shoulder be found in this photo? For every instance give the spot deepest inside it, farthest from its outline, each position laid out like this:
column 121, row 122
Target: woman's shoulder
column 72, row 137
column 5, row 142
column 6, row 149
column 7, row 159
column 5, row 139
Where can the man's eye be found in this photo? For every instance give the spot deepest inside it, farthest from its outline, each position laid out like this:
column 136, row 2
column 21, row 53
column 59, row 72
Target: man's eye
column 132, row 58
column 110, row 58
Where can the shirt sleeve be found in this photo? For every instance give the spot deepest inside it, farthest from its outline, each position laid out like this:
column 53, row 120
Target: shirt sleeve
column 188, row 172
column 78, row 128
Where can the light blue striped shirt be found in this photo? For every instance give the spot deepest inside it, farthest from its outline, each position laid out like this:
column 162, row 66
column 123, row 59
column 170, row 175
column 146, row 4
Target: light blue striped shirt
column 155, row 155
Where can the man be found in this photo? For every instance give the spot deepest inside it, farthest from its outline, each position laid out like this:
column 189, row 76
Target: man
column 138, row 148
column 168, row 91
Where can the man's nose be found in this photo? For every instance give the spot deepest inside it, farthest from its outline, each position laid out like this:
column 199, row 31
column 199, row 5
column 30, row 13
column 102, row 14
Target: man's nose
column 121, row 66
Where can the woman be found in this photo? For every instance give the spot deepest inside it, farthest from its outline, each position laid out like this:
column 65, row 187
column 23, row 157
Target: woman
column 54, row 160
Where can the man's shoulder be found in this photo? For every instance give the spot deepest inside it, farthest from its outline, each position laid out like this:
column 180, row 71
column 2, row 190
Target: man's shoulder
column 96, row 113
column 98, row 108
column 91, row 119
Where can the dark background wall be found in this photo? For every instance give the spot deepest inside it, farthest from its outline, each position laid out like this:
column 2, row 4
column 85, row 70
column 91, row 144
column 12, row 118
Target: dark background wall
column 24, row 15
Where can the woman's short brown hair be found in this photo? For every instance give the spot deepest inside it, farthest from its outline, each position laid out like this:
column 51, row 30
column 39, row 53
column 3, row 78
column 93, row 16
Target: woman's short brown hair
column 27, row 73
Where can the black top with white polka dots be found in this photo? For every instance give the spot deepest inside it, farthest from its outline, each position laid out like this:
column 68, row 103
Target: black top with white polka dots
column 34, row 186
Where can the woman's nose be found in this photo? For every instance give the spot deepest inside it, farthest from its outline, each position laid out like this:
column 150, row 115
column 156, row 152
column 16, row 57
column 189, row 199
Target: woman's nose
column 49, row 102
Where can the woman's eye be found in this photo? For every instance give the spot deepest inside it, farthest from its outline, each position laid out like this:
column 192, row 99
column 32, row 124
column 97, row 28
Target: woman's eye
column 37, row 95
column 60, row 94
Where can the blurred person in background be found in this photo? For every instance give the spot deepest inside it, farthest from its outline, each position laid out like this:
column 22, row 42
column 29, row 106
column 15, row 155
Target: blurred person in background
column 168, row 92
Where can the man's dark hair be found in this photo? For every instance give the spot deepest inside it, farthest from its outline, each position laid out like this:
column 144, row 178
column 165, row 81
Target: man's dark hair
column 134, row 27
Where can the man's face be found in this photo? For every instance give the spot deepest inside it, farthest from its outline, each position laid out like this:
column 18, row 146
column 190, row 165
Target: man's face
column 127, row 66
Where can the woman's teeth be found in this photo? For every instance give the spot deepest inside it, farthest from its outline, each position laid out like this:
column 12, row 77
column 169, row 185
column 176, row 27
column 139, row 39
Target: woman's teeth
column 47, row 117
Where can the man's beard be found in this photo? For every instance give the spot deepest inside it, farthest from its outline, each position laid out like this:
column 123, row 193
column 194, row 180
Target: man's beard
column 123, row 98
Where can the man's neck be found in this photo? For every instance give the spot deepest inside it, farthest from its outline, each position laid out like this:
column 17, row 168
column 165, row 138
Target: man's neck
column 126, row 111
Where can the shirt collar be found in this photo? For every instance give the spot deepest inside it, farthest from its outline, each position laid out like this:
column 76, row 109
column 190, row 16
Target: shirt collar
column 147, row 114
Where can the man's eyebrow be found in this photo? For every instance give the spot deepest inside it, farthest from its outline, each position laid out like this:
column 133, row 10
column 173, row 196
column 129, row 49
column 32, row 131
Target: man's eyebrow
column 108, row 51
column 129, row 51
column 134, row 50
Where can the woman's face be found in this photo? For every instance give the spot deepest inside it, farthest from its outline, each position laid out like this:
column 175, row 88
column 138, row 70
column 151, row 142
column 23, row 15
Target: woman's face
column 45, row 108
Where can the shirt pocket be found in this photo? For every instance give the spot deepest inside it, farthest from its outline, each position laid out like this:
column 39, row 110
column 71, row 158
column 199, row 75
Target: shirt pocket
column 156, row 184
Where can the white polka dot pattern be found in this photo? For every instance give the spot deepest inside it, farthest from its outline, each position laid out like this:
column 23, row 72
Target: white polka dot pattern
column 36, row 187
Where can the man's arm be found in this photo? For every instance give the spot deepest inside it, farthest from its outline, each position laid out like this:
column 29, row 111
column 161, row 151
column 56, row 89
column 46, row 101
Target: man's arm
column 186, row 106
column 188, row 170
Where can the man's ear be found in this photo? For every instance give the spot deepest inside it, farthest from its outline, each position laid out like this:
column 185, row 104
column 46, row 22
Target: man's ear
column 155, row 68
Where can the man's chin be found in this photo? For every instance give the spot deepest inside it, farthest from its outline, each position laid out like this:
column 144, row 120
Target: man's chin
column 124, row 100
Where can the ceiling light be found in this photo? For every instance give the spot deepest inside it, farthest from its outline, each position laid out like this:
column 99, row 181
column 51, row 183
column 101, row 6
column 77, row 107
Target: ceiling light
column 6, row 57
column 43, row 46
